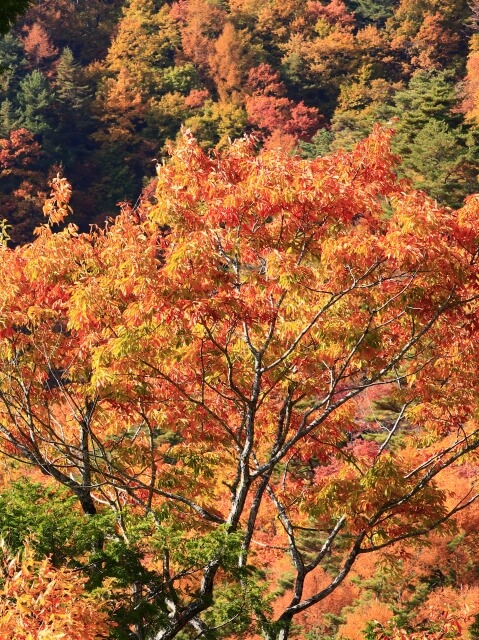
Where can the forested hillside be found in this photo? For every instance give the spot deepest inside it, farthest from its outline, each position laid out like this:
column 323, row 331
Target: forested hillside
column 95, row 89
column 239, row 320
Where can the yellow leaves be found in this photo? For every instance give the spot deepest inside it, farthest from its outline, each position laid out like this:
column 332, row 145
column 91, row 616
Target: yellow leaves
column 39, row 602
column 81, row 309
column 57, row 208
column 37, row 313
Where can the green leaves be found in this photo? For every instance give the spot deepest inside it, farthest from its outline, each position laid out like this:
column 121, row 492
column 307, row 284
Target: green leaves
column 50, row 518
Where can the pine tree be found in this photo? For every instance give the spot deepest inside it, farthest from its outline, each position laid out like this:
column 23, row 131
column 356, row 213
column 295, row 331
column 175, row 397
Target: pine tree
column 72, row 98
column 69, row 88
column 7, row 122
column 435, row 158
column 430, row 95
column 432, row 137
column 35, row 98
column 372, row 10
column 12, row 60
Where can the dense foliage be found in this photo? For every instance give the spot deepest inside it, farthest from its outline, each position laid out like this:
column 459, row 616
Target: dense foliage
column 196, row 378
column 245, row 406
column 102, row 85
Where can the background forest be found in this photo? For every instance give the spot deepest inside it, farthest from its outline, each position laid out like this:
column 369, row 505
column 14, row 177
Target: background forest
column 97, row 91
column 96, row 88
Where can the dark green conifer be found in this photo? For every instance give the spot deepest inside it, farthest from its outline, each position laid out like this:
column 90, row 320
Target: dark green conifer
column 376, row 11
column 7, row 120
column 12, row 61
column 70, row 88
column 432, row 138
column 35, row 98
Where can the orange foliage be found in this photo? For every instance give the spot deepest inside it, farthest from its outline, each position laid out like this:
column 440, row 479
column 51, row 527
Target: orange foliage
column 38, row 46
column 19, row 151
column 433, row 43
column 201, row 358
column 39, row 602
column 57, row 208
column 470, row 103
column 273, row 113
column 368, row 611
column 23, row 184
column 228, row 61
column 335, row 12
column 200, row 23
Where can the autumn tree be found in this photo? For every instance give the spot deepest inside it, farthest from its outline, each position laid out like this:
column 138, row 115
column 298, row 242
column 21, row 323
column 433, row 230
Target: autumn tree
column 85, row 27
column 201, row 24
column 144, row 45
column 38, row 47
column 332, row 53
column 431, row 34
column 471, row 82
column 196, row 368
column 217, row 123
column 22, row 183
column 272, row 112
column 229, row 62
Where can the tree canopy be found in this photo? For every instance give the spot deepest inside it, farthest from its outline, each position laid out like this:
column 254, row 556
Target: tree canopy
column 197, row 369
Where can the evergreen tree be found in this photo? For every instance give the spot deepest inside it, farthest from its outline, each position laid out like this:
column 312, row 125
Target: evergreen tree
column 430, row 95
column 12, row 60
column 372, row 10
column 72, row 98
column 432, row 138
column 435, row 159
column 70, row 89
column 438, row 149
column 35, row 98
column 320, row 144
column 7, row 121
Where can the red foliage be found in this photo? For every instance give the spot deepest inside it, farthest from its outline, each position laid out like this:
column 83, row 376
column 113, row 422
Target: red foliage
column 21, row 183
column 335, row 12
column 19, row 151
column 263, row 80
column 196, row 98
column 271, row 111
